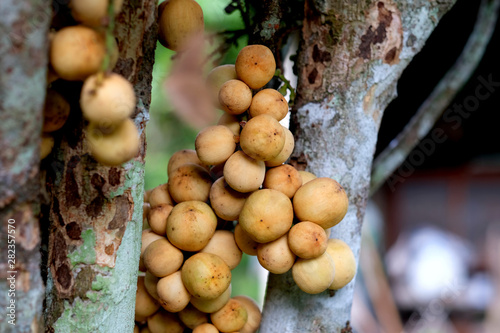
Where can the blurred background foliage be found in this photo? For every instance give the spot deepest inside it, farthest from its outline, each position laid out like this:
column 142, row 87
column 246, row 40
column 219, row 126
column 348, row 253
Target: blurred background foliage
column 166, row 133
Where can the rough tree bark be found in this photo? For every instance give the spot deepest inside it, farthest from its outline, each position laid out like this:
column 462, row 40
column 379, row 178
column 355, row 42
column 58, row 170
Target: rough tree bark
column 95, row 216
column 23, row 69
column 350, row 58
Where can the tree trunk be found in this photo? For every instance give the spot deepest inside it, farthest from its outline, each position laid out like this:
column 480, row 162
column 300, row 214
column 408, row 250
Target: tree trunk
column 95, row 216
column 350, row 58
column 23, row 68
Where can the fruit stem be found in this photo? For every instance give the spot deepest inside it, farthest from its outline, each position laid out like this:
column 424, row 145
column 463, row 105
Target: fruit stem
column 286, row 86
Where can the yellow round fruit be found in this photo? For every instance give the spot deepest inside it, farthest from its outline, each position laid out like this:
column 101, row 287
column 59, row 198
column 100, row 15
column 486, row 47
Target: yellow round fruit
column 212, row 305
column 157, row 218
column 223, row 245
column 107, row 100
column 163, row 321
column 46, row 145
column 189, row 182
column 206, row 328
column 145, row 305
column 190, row 225
column 266, row 215
column 180, row 20
column 235, row 97
column 262, row 138
column 172, row 294
column 345, row 263
column 182, row 157
column 276, row 256
column 254, row 314
column 284, row 178
column 322, row 201
column 307, row 240
column 231, row 317
column 160, row 196
column 216, row 78
column 117, row 147
column 314, row 275
column 192, row 317
column 215, row 144
column 243, row 173
column 77, row 52
column 93, row 12
column 255, row 65
column 245, row 243
column 285, row 153
column 55, row 111
column 206, row 276
column 161, row 258
column 226, row 202
column 271, row 102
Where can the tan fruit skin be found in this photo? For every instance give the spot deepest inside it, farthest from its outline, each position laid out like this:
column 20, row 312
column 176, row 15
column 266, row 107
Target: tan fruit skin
column 192, row 317
column 345, row 263
column 215, row 144
column 231, row 317
column 55, row 112
column 307, row 240
column 157, row 218
column 107, row 101
column 145, row 305
column 162, row 258
column 223, row 245
column 93, row 12
column 307, row 176
column 182, row 157
column 46, row 145
column 173, row 296
column 189, row 182
column 244, row 242
column 226, row 202
column 150, row 282
column 190, row 225
column 115, row 148
column 235, row 97
column 276, row 256
column 217, row 77
column 159, row 195
column 255, row 65
column 262, row 138
column 212, row 305
column 206, row 328
column 77, row 52
column 163, row 321
column 269, row 101
column 266, row 215
column 314, row 276
column 254, row 314
column 206, row 276
column 232, row 122
column 322, row 201
column 284, row 178
column 241, row 164
column 285, row 153
column 180, row 20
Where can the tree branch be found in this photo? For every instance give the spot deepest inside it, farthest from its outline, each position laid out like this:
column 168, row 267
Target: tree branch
column 23, row 67
column 432, row 108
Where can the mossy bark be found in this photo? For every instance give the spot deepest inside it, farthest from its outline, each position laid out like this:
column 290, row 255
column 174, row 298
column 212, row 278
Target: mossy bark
column 94, row 220
column 350, row 58
column 23, row 69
